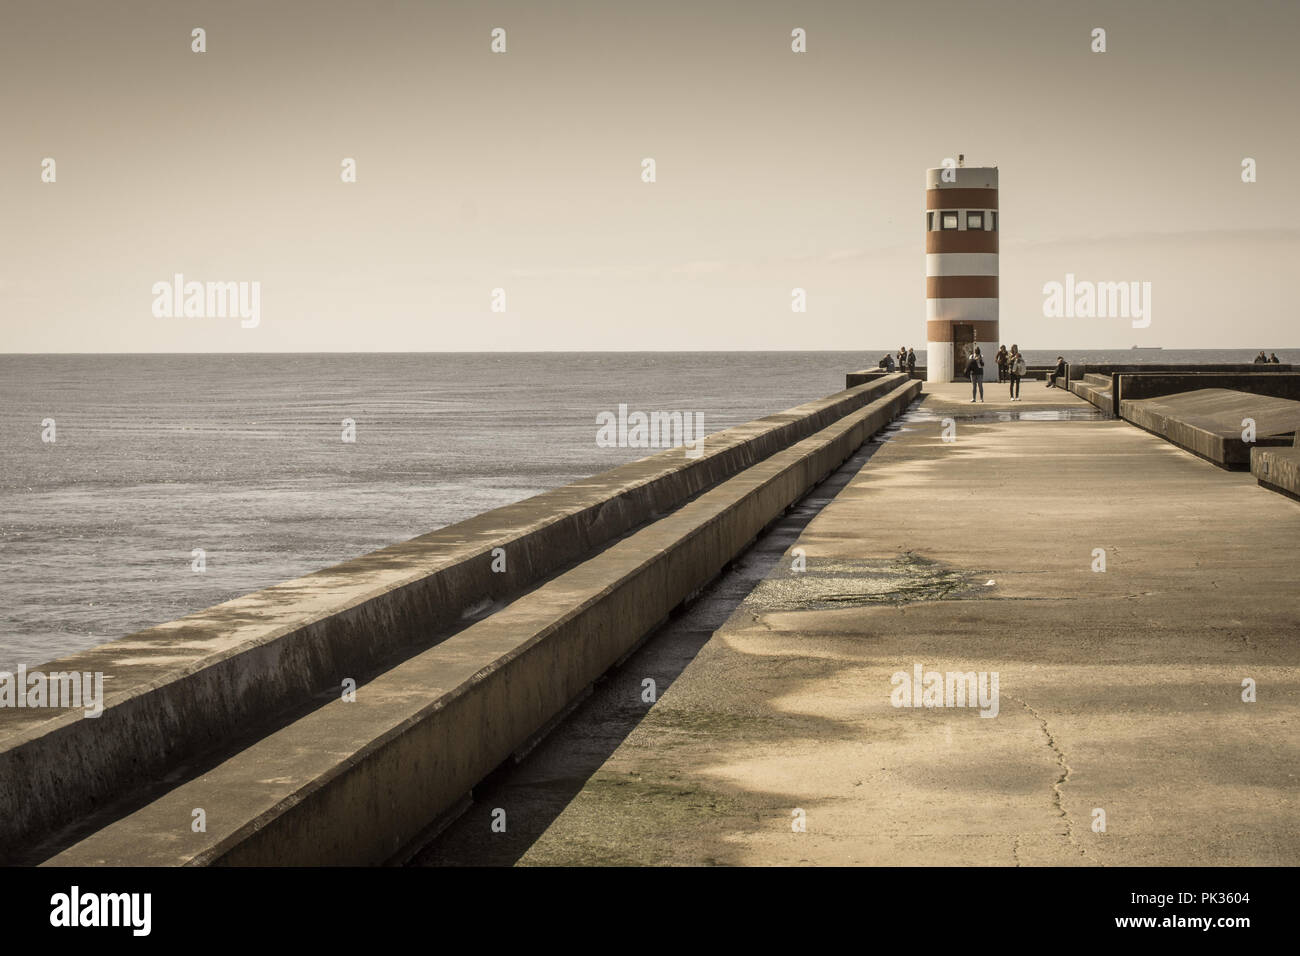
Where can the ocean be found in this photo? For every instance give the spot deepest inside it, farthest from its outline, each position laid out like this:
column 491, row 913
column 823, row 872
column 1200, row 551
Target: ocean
column 155, row 457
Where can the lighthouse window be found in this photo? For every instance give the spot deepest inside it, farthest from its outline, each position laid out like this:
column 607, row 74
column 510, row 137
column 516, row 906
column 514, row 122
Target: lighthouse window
column 948, row 220
column 974, row 220
column 929, row 222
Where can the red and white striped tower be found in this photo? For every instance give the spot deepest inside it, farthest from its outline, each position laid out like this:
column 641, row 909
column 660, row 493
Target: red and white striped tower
column 961, row 268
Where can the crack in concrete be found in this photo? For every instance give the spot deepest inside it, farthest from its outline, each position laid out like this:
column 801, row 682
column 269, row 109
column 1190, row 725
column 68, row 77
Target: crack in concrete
column 1061, row 781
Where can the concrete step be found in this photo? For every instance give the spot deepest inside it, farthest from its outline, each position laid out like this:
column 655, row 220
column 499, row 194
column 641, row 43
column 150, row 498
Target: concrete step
column 1277, row 468
column 1095, row 394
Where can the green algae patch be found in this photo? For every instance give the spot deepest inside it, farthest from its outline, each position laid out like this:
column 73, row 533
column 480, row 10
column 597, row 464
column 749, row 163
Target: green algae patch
column 827, row 584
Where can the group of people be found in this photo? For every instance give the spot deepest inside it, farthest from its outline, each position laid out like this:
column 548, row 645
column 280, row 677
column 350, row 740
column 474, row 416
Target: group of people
column 1011, row 368
column 905, row 361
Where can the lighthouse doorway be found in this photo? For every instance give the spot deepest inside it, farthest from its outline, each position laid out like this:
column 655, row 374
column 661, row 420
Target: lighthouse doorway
column 963, row 343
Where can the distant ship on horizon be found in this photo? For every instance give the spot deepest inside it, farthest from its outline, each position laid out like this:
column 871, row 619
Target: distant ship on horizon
column 1147, row 348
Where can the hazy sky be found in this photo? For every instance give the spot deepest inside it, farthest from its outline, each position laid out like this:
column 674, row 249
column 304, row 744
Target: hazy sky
column 522, row 170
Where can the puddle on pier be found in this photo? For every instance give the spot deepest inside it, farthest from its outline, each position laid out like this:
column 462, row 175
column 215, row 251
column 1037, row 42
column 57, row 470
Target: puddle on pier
column 834, row 583
column 923, row 414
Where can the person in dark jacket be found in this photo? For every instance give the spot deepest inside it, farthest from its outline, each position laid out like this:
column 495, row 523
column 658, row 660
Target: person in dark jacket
column 1001, row 359
column 911, row 364
column 1015, row 369
column 1273, row 359
column 1261, row 358
column 975, row 372
column 1058, row 372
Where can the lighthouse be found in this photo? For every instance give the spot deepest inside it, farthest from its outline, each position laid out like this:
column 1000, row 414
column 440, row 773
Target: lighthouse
column 961, row 267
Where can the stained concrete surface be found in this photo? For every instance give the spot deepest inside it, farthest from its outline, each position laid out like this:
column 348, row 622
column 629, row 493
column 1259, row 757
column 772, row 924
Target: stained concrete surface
column 1119, row 690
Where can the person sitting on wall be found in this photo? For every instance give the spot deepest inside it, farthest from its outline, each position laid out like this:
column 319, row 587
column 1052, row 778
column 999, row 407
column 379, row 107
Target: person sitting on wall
column 887, row 363
column 1058, row 372
column 1273, row 359
column 1261, row 358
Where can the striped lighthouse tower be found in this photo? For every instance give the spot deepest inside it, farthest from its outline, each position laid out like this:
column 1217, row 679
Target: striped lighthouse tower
column 961, row 268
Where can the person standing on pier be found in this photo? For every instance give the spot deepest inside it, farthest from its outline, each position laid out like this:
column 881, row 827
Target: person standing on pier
column 1001, row 359
column 1015, row 368
column 975, row 372
column 911, row 364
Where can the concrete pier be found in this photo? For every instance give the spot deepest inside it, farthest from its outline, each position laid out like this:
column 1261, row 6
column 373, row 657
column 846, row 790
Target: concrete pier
column 1121, row 691
column 1120, row 606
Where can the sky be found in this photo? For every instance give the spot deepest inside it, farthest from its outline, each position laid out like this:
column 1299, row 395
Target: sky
column 522, row 170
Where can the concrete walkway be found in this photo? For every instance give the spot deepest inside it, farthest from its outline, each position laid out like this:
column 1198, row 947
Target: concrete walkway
column 1119, row 691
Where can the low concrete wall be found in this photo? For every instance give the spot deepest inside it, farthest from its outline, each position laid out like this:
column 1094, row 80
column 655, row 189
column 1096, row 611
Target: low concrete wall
column 990, row 374
column 854, row 379
column 1201, row 441
column 1278, row 468
column 1279, row 382
column 1096, row 390
column 1112, row 368
column 1153, row 385
column 1209, row 422
column 189, row 687
column 356, row 782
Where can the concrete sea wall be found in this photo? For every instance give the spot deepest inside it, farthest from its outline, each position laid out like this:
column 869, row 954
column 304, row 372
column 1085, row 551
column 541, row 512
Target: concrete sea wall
column 1107, row 389
column 1152, row 385
column 357, row 782
column 193, row 686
